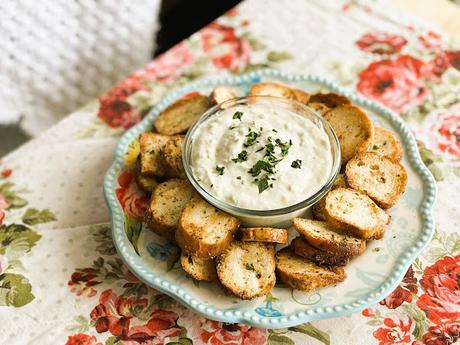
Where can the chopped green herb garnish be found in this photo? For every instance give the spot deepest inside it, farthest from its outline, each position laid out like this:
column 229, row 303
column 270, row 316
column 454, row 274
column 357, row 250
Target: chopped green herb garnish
column 251, row 138
column 262, row 184
column 238, row 177
column 274, row 130
column 283, row 146
column 260, row 149
column 237, row 115
column 259, row 166
column 220, row 170
column 242, row 156
column 232, row 127
column 297, row 164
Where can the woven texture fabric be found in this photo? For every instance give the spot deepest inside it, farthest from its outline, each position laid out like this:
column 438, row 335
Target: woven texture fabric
column 61, row 281
column 57, row 55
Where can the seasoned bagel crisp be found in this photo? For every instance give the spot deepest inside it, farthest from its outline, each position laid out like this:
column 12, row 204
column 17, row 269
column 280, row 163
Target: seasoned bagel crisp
column 354, row 212
column 302, row 274
column 380, row 177
column 353, row 128
column 205, row 231
column 166, row 204
column 247, row 269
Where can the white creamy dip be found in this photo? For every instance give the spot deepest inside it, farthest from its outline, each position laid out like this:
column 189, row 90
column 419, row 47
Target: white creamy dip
column 260, row 156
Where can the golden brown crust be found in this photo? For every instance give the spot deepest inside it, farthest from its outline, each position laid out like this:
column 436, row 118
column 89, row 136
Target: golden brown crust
column 171, row 157
column 324, row 237
column 192, row 233
column 166, row 204
column 319, row 108
column 353, row 128
column 151, row 145
column 251, row 260
column 383, row 179
column 221, row 94
column 324, row 258
column 145, row 182
column 386, row 144
column 318, row 208
column 271, row 89
column 300, row 96
column 270, row 235
column 199, row 269
column 331, row 100
column 339, row 221
column 181, row 115
column 302, row 274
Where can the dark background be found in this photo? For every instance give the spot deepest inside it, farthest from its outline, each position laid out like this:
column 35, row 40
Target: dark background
column 181, row 18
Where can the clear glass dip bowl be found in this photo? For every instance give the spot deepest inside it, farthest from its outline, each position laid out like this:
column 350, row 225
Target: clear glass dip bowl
column 278, row 216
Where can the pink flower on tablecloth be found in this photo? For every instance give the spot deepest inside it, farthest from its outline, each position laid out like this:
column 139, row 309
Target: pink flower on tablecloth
column 82, row 282
column 403, row 293
column 440, row 132
column 132, row 199
column 397, row 83
column 393, row 333
column 226, row 50
column 431, row 40
column 114, row 314
column 367, row 312
column 82, row 339
column 436, row 67
column 114, row 109
column 7, row 172
column 441, row 286
column 210, row 332
column 454, row 58
column 167, row 66
column 3, row 263
column 381, row 43
column 4, row 205
column 445, row 334
column 233, row 12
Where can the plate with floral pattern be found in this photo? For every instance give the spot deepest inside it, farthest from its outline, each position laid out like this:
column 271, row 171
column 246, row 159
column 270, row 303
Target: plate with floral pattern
column 371, row 277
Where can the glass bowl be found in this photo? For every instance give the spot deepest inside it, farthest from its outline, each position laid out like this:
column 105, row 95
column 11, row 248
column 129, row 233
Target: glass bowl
column 273, row 217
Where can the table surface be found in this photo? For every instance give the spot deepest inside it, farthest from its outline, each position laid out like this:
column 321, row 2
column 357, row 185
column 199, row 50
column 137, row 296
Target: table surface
column 61, row 280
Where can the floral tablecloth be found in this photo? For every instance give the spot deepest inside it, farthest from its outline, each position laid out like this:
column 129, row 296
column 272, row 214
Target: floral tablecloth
column 61, row 281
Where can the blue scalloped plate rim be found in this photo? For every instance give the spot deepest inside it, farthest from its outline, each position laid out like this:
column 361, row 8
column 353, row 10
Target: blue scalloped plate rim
column 135, row 264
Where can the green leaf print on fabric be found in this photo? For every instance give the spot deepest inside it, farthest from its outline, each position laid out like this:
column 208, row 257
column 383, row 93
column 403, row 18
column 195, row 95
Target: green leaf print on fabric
column 113, row 341
column 430, row 159
column 443, row 245
column 278, row 56
column 133, row 229
column 102, row 235
column 17, row 239
column 15, row 290
column 277, row 339
column 32, row 216
column 14, row 200
column 312, row 331
column 82, row 324
column 181, row 339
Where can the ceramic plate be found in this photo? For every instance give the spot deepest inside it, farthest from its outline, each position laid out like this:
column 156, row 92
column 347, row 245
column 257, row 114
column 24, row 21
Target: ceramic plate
column 371, row 277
